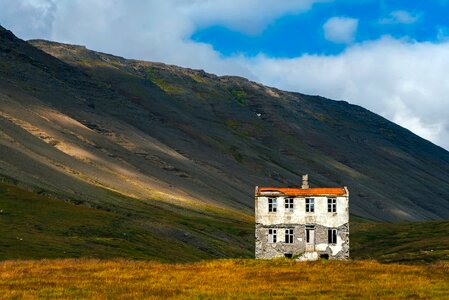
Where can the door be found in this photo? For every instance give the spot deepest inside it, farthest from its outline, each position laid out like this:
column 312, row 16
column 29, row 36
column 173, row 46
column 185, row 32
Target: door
column 310, row 239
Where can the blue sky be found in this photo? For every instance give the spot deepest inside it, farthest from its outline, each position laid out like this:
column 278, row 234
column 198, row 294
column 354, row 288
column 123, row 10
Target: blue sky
column 389, row 56
column 296, row 34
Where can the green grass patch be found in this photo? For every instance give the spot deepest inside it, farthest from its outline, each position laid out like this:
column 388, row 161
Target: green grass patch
column 167, row 87
column 236, row 154
column 408, row 242
column 232, row 124
column 198, row 78
column 35, row 226
column 240, row 96
column 150, row 72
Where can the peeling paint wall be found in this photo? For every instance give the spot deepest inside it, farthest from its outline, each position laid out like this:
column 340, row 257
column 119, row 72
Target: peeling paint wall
column 320, row 219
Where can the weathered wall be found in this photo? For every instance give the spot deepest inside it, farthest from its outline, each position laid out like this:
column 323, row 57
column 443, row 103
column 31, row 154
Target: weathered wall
column 298, row 219
column 266, row 250
column 299, row 215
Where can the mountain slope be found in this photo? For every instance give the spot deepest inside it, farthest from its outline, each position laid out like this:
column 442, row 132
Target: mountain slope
column 95, row 128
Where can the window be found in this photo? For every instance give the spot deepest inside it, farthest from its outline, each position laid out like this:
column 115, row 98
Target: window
column 331, row 205
column 332, row 236
column 289, row 204
column 272, row 204
column 272, row 235
column 310, row 205
column 289, row 235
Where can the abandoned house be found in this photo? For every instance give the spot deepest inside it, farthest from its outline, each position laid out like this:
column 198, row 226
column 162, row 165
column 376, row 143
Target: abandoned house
column 304, row 223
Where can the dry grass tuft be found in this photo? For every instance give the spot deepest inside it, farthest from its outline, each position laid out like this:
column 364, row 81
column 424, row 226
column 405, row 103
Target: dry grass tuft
column 220, row 279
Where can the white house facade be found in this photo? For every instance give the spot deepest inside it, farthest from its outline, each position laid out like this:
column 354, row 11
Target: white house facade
column 303, row 223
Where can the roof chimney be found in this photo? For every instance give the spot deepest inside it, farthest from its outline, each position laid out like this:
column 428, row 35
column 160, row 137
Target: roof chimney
column 305, row 182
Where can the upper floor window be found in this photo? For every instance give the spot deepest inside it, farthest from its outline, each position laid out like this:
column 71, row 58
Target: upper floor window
column 289, row 204
column 310, row 205
column 289, row 235
column 331, row 205
column 332, row 236
column 272, row 236
column 272, row 205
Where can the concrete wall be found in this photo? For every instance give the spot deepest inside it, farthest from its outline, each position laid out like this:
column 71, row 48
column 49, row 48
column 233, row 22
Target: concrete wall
column 321, row 219
column 299, row 215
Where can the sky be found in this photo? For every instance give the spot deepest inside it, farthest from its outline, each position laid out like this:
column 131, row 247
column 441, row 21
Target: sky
column 389, row 56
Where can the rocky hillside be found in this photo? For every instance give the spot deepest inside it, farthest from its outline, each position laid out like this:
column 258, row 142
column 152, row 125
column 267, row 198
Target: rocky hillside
column 104, row 131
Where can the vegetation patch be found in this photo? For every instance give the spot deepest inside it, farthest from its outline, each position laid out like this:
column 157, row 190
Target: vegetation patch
column 221, row 279
column 240, row 96
column 34, row 226
column 167, row 87
column 408, row 242
column 198, row 78
column 150, row 72
column 236, row 154
column 232, row 124
column 162, row 83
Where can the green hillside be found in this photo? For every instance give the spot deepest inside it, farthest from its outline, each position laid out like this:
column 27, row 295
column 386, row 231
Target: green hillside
column 35, row 226
column 410, row 242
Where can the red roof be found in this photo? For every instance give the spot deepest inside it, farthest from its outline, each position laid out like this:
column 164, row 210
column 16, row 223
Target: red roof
column 303, row 192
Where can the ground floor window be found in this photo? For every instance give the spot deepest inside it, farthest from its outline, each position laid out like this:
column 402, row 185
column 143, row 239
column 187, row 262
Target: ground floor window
column 332, row 236
column 272, row 236
column 289, row 235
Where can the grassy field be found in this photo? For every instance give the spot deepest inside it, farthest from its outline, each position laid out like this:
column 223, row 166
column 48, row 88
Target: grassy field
column 34, row 226
column 220, row 279
column 408, row 242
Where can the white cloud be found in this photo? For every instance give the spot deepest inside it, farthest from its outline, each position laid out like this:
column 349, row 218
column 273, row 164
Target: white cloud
column 403, row 81
column 248, row 16
column 340, row 29
column 28, row 18
column 400, row 17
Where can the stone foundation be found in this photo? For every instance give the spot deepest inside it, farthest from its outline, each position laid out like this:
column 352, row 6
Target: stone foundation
column 266, row 250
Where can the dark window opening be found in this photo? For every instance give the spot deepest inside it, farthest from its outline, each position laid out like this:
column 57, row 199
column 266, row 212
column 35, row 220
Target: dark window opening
column 289, row 204
column 289, row 235
column 310, row 205
column 332, row 236
column 288, row 255
column 324, row 256
column 331, row 205
column 272, row 204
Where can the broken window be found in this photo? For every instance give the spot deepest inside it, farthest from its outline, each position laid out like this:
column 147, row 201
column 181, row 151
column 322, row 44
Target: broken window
column 272, row 204
column 332, row 205
column 272, row 236
column 289, row 235
column 310, row 205
column 332, row 236
column 289, row 204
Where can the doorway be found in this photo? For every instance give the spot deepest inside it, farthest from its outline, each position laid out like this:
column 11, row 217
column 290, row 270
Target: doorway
column 310, row 238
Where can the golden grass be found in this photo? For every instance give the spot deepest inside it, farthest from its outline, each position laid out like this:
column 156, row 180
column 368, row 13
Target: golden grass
column 220, row 279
